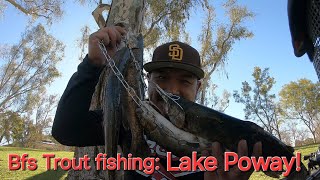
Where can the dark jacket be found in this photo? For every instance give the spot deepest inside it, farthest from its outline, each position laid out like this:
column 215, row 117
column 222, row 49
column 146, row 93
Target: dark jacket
column 74, row 124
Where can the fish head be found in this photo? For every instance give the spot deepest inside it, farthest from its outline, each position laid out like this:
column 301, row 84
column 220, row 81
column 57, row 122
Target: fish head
column 169, row 107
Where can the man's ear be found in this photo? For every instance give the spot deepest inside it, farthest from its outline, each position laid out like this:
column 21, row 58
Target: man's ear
column 199, row 83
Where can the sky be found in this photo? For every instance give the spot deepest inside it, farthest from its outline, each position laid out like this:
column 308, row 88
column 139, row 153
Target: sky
column 269, row 48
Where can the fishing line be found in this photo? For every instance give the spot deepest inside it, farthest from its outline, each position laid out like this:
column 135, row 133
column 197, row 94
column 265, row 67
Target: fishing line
column 171, row 96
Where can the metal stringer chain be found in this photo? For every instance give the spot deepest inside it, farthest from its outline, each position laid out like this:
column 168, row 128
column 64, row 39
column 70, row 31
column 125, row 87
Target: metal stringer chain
column 119, row 75
column 136, row 63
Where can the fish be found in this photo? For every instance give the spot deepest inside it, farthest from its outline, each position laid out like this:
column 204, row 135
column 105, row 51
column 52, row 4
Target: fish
column 112, row 108
column 121, row 125
column 136, row 144
column 198, row 126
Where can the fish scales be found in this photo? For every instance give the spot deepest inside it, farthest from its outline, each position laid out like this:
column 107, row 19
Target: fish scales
column 121, row 124
column 200, row 124
column 138, row 145
column 214, row 126
column 111, row 108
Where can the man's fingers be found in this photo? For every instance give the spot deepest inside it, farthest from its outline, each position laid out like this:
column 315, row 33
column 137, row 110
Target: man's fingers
column 110, row 35
column 242, row 148
column 98, row 36
column 113, row 37
column 242, row 151
column 257, row 149
column 106, row 39
column 121, row 30
column 117, row 34
column 235, row 172
column 218, row 153
column 216, row 150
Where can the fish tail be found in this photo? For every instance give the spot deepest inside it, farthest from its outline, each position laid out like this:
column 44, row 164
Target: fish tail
column 290, row 148
column 298, row 175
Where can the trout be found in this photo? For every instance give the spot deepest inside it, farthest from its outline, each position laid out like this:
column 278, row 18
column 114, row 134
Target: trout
column 121, row 124
column 135, row 142
column 192, row 127
column 111, row 109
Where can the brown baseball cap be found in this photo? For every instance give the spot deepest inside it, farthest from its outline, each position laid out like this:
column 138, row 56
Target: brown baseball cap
column 176, row 55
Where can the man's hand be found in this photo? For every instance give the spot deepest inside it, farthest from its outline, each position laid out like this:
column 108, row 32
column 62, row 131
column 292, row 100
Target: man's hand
column 111, row 37
column 235, row 172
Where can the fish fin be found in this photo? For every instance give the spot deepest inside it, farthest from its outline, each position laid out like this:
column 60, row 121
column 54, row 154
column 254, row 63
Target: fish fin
column 290, row 148
column 295, row 175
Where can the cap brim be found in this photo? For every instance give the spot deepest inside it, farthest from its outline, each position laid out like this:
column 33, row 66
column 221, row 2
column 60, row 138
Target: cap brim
column 150, row 66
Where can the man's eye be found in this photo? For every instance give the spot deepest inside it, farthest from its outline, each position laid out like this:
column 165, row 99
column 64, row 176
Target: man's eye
column 186, row 82
column 161, row 77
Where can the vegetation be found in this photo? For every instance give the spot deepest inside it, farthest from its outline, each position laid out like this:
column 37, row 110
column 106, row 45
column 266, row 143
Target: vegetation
column 40, row 173
column 27, row 68
column 259, row 101
column 301, row 102
column 298, row 102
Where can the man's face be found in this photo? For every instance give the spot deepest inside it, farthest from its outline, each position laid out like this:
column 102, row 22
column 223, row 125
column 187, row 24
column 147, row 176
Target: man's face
column 175, row 81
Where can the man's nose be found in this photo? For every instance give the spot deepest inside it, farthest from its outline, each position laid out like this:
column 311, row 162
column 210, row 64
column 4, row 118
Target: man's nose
column 172, row 88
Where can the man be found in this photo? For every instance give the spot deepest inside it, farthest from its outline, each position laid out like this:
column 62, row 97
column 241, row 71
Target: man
column 175, row 67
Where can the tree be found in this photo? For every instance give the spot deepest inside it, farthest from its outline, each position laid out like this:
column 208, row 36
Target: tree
column 260, row 103
column 83, row 41
column 223, row 104
column 295, row 133
column 17, row 128
column 7, row 119
column 28, row 130
column 214, row 53
column 165, row 20
column 301, row 101
column 43, row 113
column 218, row 103
column 26, row 69
column 2, row 8
column 48, row 9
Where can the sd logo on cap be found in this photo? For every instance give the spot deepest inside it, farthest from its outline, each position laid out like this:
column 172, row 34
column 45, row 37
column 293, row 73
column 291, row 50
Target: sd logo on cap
column 175, row 52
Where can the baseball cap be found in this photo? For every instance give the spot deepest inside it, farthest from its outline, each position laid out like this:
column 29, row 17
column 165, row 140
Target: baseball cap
column 176, row 55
